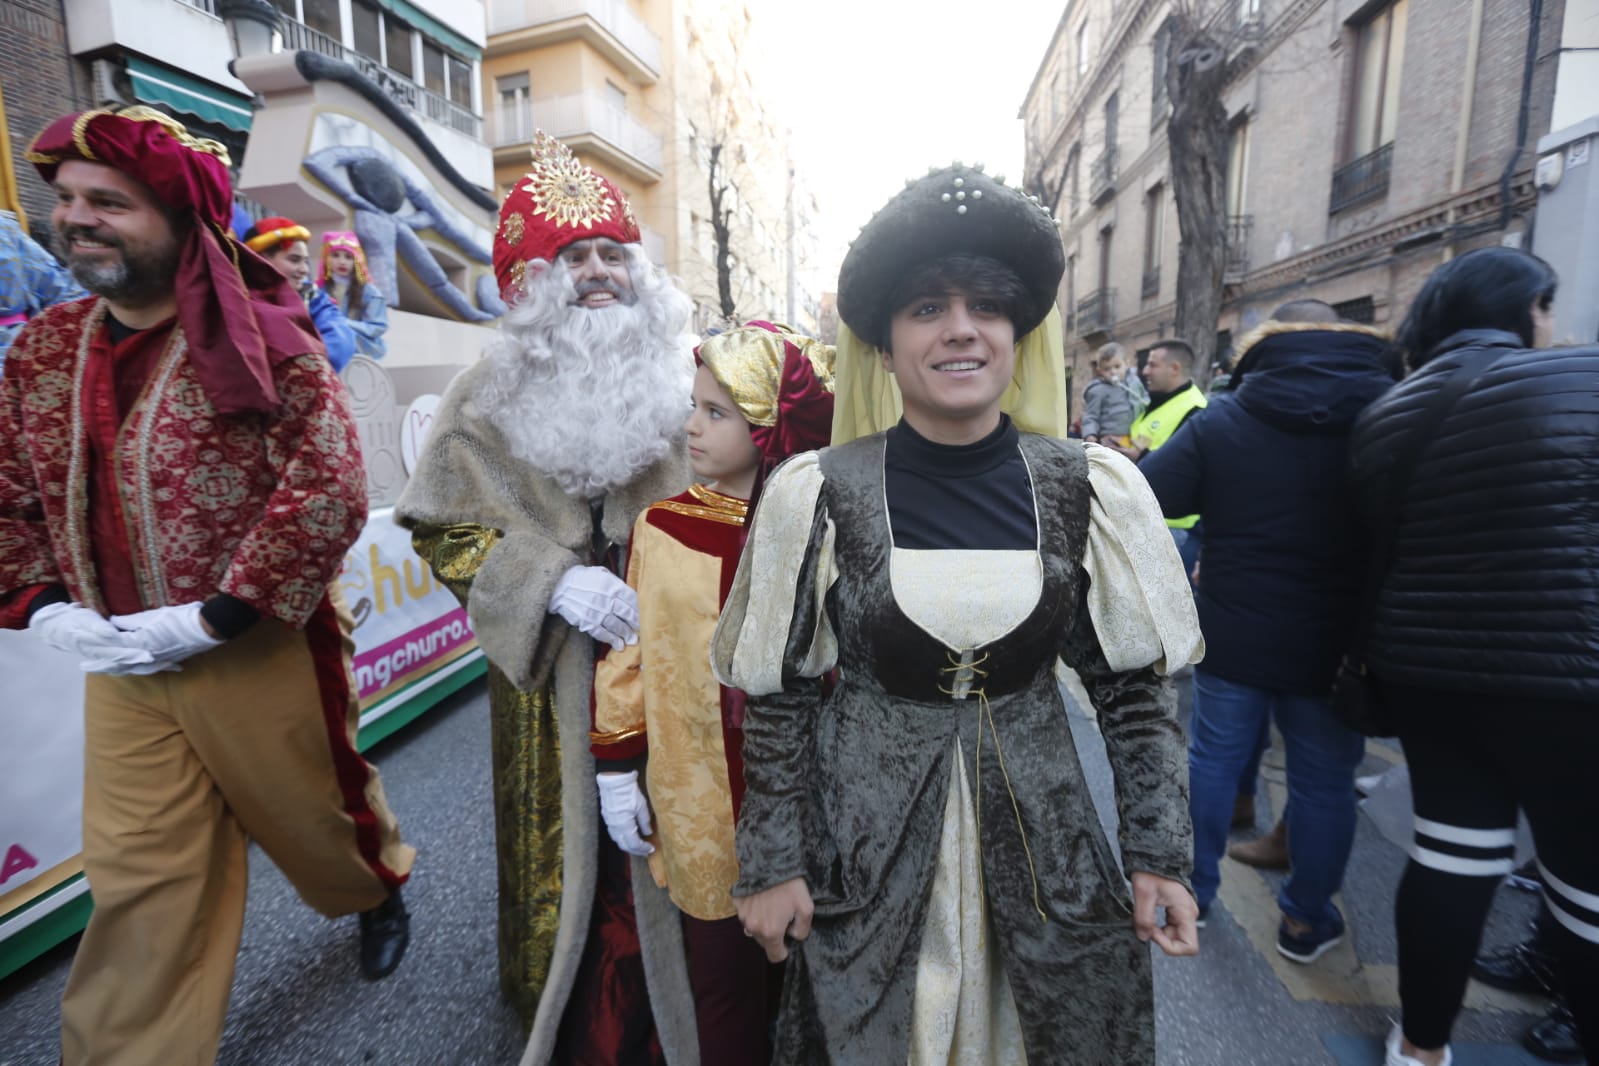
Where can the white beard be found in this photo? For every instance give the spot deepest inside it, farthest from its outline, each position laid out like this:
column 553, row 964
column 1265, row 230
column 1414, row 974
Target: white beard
column 591, row 397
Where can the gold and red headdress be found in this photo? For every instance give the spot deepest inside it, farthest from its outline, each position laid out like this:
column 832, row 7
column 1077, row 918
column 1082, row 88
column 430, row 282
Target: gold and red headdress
column 558, row 202
column 347, row 241
column 782, row 382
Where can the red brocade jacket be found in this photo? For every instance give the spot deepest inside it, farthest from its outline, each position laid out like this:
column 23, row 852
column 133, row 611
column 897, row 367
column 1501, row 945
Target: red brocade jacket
column 260, row 507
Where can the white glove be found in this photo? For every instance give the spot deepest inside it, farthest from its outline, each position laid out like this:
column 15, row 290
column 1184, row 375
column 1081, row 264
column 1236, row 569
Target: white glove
column 626, row 811
column 101, row 647
column 169, row 634
column 599, row 603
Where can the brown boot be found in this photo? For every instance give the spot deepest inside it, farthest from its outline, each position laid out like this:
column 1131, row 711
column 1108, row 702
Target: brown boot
column 1269, row 852
column 1243, row 812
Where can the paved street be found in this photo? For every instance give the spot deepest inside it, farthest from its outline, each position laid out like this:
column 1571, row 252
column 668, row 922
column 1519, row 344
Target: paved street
column 298, row 999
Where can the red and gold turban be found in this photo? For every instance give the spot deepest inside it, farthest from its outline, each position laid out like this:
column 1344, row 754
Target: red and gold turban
column 239, row 315
column 273, row 231
column 558, row 202
column 782, row 382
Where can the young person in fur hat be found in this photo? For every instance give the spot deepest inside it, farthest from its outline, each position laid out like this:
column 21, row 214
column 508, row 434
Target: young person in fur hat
column 1267, row 464
column 761, row 394
column 541, row 458
column 919, row 842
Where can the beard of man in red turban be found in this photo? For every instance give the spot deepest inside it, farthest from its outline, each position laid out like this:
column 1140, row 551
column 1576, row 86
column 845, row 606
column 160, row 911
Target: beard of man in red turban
column 239, row 316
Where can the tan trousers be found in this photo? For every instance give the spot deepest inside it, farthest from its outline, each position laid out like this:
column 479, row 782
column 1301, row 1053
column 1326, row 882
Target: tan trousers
column 254, row 739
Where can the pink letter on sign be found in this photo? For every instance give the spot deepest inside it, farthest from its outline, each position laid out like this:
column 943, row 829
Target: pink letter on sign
column 17, row 860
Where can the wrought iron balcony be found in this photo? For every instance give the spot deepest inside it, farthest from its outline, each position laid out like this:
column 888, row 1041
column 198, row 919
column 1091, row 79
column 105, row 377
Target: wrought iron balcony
column 298, row 37
column 1238, row 227
column 1096, row 313
column 1362, row 180
column 1102, row 177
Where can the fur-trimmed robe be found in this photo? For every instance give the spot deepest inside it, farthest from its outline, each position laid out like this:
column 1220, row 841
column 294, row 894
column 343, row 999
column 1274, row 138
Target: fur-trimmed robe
column 468, row 480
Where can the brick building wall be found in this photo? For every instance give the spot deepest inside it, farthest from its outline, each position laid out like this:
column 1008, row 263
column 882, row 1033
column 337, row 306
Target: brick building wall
column 41, row 82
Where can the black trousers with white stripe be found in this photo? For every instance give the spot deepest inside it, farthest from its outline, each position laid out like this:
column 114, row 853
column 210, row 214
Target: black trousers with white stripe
column 1474, row 761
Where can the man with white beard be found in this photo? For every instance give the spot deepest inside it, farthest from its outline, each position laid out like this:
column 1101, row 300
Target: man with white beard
column 540, row 458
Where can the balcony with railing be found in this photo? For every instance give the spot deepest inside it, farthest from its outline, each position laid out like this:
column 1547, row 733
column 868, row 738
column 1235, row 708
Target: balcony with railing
column 298, row 37
column 584, row 122
column 609, row 26
column 1096, row 313
column 1102, row 178
column 1363, row 180
column 1238, row 227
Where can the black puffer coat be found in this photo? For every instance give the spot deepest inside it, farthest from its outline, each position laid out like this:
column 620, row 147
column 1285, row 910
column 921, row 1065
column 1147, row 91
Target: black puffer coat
column 1267, row 467
column 1494, row 587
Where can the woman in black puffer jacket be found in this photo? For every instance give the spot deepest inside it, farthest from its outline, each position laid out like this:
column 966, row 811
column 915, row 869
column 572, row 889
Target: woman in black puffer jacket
column 1486, row 635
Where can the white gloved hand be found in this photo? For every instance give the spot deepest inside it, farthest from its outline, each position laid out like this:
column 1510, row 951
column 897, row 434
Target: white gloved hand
column 101, row 647
column 599, row 603
column 626, row 811
column 169, row 634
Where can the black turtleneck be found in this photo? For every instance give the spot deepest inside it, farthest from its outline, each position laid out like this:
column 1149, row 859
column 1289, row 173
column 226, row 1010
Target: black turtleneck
column 966, row 496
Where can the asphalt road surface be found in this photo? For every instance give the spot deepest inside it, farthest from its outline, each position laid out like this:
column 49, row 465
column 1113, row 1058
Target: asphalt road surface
column 298, row 998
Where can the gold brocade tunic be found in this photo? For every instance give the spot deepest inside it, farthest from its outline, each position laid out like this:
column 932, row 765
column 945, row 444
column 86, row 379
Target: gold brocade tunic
column 526, row 756
column 660, row 694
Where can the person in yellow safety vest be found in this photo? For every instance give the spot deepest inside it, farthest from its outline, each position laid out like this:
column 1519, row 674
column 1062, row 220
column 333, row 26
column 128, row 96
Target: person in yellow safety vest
column 1173, row 396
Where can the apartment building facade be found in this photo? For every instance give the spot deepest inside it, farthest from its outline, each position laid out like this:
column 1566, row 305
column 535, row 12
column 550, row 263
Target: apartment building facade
column 1368, row 141
column 58, row 55
column 654, row 93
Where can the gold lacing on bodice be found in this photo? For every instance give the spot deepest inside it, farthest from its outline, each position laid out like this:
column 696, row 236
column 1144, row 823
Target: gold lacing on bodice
column 966, row 671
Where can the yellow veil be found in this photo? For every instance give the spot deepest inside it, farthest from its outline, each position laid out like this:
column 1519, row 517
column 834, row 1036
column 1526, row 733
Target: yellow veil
column 867, row 398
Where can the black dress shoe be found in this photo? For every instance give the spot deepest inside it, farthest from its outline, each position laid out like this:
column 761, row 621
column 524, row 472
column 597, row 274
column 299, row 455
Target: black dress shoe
column 1521, row 969
column 385, row 931
column 1555, row 1038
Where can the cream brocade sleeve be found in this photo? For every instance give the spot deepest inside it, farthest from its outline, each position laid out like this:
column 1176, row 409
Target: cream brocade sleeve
column 1138, row 595
column 747, row 651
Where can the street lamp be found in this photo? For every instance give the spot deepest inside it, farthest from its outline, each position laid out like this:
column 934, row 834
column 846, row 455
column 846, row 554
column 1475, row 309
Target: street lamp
column 254, row 25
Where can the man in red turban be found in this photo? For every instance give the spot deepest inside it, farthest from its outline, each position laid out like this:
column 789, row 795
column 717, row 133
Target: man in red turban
column 541, row 457
column 181, row 483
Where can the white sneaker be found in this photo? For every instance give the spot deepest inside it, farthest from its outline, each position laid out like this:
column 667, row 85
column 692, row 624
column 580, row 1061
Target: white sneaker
column 1396, row 1057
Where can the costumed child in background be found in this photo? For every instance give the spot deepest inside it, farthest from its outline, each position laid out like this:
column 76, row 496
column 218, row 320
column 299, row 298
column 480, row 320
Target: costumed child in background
column 343, row 275
column 1113, row 401
column 761, row 394
column 283, row 243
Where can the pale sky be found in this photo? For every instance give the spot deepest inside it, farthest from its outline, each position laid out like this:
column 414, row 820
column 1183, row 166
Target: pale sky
column 877, row 91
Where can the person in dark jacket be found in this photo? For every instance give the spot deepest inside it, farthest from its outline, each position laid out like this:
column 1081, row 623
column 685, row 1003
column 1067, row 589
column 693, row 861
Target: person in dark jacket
column 1266, row 464
column 1485, row 638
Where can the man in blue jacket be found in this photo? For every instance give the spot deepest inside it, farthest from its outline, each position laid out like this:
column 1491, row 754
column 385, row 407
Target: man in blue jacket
column 1266, row 464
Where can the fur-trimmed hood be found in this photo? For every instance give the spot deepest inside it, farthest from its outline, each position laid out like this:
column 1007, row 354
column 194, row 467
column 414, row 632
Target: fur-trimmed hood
column 1311, row 377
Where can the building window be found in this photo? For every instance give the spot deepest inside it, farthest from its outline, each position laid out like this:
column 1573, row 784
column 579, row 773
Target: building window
column 1362, row 310
column 397, row 46
column 1160, row 102
column 1248, row 10
column 460, row 72
column 1238, row 170
column 515, row 117
column 1112, row 122
column 433, row 67
column 615, row 97
column 1154, row 226
column 366, row 27
column 1074, row 172
column 1379, row 58
column 323, row 16
column 1082, row 48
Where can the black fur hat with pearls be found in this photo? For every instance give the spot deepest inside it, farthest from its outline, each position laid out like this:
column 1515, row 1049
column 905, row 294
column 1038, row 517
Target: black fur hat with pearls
column 954, row 210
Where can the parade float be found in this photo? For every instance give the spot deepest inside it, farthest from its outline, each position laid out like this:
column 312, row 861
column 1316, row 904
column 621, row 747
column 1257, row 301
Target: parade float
column 329, row 148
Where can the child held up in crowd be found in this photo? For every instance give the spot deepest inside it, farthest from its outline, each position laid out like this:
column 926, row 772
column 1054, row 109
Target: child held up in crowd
column 761, row 394
column 1115, row 398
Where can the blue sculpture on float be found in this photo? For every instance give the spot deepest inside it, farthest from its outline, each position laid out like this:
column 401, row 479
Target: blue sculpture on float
column 377, row 193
